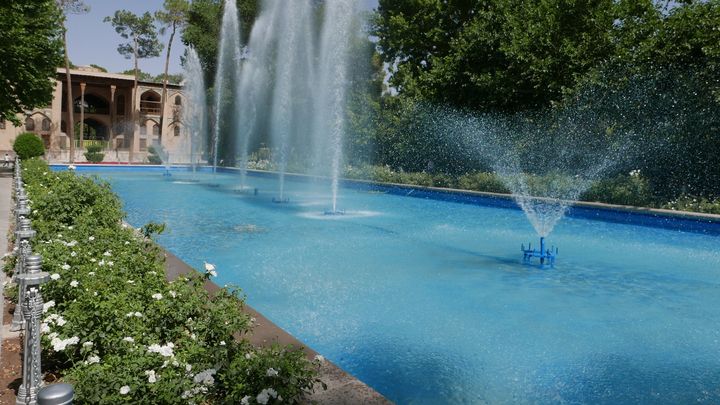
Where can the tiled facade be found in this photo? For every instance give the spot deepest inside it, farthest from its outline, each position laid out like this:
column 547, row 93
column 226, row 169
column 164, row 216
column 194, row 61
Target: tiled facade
column 103, row 101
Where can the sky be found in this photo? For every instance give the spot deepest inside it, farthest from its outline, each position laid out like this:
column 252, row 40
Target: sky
column 92, row 41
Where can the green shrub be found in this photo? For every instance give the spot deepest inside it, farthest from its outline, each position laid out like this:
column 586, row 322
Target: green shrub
column 153, row 157
column 94, row 154
column 28, row 145
column 119, row 331
column 482, row 181
column 694, row 204
column 622, row 189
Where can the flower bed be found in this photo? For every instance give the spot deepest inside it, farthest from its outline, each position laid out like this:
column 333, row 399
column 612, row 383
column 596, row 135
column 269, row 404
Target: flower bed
column 115, row 328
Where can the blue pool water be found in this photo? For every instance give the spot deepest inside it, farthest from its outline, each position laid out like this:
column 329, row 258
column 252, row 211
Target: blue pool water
column 428, row 302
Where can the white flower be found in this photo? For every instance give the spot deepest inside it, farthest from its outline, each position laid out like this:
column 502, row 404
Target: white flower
column 188, row 367
column 110, row 263
column 48, row 305
column 165, row 350
column 72, row 243
column 60, row 321
column 128, row 339
column 73, row 254
column 205, row 377
column 245, row 400
column 124, row 390
column 74, row 283
column 107, row 253
column 131, row 281
column 210, row 269
column 93, row 360
column 157, row 296
column 54, row 276
column 87, row 344
column 127, row 242
column 101, row 262
column 319, row 358
column 248, row 356
column 139, row 315
column 222, row 343
column 92, row 238
column 65, row 266
column 173, row 294
column 93, row 260
column 265, row 395
column 271, row 372
column 151, row 376
column 60, row 344
column 92, row 273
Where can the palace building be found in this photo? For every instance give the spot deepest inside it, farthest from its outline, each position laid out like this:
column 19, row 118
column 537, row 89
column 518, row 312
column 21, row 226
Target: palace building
column 103, row 103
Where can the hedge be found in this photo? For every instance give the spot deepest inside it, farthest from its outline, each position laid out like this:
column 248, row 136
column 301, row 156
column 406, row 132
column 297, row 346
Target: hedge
column 120, row 332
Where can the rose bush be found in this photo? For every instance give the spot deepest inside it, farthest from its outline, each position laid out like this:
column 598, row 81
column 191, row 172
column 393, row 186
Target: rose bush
column 115, row 328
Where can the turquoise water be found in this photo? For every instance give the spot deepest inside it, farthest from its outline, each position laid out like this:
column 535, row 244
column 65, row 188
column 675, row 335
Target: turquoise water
column 428, row 302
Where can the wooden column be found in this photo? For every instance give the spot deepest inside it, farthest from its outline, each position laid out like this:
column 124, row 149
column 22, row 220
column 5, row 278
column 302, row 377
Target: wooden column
column 82, row 114
column 111, row 144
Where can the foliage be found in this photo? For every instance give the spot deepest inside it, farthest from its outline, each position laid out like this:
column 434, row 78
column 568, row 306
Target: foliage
column 32, row 43
column 94, row 154
column 694, row 204
column 28, row 145
column 153, row 156
column 504, row 54
column 621, row 189
column 142, row 76
column 98, row 67
column 203, row 29
column 140, row 30
column 121, row 333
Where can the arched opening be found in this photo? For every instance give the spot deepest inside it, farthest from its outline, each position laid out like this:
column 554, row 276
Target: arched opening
column 178, row 100
column 150, row 102
column 94, row 133
column 176, row 130
column 93, row 105
column 46, row 124
column 29, row 124
column 156, row 130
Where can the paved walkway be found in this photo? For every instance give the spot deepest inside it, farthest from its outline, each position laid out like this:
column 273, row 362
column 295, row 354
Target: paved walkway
column 5, row 203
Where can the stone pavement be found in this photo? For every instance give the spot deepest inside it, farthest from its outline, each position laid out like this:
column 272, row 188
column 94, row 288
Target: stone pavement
column 5, row 203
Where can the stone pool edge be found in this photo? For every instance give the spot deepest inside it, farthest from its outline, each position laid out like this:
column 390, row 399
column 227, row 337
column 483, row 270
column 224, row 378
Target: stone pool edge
column 342, row 387
column 658, row 212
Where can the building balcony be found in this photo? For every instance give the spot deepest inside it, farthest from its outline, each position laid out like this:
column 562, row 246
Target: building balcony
column 150, row 107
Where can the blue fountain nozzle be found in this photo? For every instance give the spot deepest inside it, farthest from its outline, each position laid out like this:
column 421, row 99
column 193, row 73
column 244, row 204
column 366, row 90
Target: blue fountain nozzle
column 276, row 200
column 334, row 212
column 545, row 254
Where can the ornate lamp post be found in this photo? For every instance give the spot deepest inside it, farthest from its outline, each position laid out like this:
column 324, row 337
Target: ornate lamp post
column 23, row 235
column 32, row 306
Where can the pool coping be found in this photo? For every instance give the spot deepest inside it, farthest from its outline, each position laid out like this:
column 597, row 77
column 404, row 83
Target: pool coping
column 658, row 212
column 342, row 387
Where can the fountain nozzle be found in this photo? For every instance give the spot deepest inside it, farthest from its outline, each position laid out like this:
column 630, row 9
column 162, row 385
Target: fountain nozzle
column 334, row 212
column 546, row 256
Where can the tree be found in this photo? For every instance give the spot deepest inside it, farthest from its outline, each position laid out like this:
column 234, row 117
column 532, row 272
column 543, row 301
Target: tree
column 144, row 76
column 69, row 7
column 202, row 30
column 140, row 30
column 501, row 55
column 31, row 50
column 173, row 16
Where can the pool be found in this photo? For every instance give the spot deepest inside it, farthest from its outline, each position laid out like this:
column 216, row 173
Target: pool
column 427, row 300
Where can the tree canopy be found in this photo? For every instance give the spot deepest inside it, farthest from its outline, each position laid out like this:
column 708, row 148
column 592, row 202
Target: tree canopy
column 31, row 38
column 514, row 54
